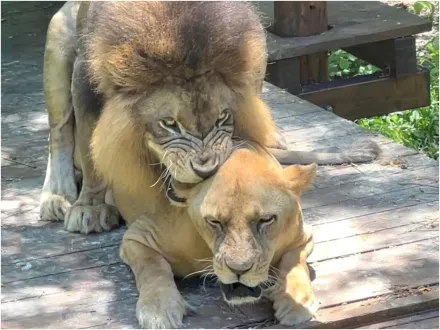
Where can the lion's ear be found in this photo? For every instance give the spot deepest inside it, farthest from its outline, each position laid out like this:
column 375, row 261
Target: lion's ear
column 300, row 177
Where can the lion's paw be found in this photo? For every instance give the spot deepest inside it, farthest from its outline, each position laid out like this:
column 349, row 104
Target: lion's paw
column 278, row 141
column 164, row 310
column 288, row 312
column 86, row 218
column 53, row 207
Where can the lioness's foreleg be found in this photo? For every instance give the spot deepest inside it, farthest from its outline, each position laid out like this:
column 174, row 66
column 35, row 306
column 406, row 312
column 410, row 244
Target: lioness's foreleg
column 59, row 189
column 89, row 213
column 293, row 298
column 160, row 304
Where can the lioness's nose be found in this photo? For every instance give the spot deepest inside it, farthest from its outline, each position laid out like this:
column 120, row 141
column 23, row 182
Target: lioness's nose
column 205, row 165
column 239, row 268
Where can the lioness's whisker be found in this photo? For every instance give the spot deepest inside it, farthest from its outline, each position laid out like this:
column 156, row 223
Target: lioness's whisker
column 204, row 270
column 206, row 276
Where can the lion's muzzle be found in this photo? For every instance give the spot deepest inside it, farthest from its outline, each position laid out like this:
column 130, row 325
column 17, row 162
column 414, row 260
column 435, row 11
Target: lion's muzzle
column 205, row 164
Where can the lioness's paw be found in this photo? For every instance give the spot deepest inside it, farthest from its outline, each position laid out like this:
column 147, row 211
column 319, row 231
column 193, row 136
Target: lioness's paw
column 288, row 312
column 53, row 207
column 86, row 218
column 163, row 309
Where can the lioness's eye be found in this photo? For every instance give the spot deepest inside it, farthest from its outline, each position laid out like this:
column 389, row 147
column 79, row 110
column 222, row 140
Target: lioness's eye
column 214, row 223
column 266, row 221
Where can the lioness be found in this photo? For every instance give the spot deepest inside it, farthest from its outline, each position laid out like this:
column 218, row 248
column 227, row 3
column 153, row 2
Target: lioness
column 244, row 225
column 141, row 92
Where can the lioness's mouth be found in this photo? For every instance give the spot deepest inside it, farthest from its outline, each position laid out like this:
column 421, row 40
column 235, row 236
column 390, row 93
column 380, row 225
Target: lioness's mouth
column 239, row 291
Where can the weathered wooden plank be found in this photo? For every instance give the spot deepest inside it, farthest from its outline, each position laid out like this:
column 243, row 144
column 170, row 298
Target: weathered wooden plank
column 46, row 242
column 285, row 74
column 60, row 264
column 365, row 187
column 376, row 309
column 401, row 265
column 107, row 280
column 397, row 56
column 300, row 19
column 371, row 96
column 353, row 23
column 378, row 240
column 369, row 206
column 419, row 214
column 376, row 273
column 422, row 320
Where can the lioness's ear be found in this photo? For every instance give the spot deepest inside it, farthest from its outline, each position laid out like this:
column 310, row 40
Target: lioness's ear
column 300, row 177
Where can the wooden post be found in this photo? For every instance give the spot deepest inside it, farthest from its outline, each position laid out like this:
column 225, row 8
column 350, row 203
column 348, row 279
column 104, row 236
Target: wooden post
column 303, row 19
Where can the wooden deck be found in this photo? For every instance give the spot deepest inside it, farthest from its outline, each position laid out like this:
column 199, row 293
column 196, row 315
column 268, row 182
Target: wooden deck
column 376, row 261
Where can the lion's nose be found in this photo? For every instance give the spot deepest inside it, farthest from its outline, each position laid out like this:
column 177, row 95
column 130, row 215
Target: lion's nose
column 205, row 165
column 239, row 268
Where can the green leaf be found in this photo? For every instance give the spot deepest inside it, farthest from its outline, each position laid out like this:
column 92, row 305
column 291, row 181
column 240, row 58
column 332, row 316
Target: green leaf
column 344, row 63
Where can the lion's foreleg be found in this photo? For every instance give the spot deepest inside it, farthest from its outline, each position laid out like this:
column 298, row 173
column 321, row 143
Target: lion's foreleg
column 89, row 213
column 293, row 298
column 59, row 189
column 160, row 305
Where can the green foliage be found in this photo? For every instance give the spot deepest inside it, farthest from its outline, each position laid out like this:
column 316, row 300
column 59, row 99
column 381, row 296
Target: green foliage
column 419, row 7
column 344, row 65
column 417, row 128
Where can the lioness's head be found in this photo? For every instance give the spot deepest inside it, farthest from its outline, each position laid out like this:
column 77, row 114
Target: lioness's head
column 249, row 214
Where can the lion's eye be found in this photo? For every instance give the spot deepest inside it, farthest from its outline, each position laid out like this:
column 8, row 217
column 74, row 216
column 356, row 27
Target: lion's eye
column 215, row 224
column 170, row 123
column 266, row 221
column 224, row 114
column 223, row 118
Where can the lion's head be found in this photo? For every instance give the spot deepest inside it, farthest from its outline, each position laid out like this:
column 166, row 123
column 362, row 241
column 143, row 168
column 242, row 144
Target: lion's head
column 249, row 214
column 181, row 74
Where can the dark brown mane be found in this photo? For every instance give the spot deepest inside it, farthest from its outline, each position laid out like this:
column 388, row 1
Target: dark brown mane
column 134, row 44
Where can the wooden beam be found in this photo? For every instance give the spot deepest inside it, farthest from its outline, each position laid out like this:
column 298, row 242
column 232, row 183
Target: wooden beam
column 301, row 19
column 285, row 74
column 352, row 23
column 397, row 55
column 367, row 96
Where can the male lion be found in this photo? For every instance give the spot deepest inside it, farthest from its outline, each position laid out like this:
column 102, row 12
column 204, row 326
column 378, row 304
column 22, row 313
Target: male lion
column 141, row 92
column 244, row 225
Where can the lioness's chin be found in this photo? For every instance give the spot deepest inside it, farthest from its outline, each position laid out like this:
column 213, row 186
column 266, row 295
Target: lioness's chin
column 238, row 293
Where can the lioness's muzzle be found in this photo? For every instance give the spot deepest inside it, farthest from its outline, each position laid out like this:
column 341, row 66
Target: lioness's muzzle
column 238, row 290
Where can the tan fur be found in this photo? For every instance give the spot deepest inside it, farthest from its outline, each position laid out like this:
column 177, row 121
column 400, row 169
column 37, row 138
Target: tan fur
column 149, row 62
column 248, row 185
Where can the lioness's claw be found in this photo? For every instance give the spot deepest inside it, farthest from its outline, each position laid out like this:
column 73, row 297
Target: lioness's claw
column 86, row 219
column 287, row 312
column 164, row 310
